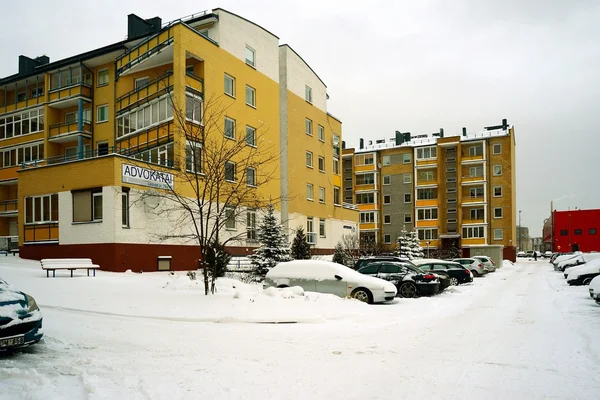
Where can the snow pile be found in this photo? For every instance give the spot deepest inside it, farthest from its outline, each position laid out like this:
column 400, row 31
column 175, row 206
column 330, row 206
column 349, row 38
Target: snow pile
column 507, row 263
column 285, row 293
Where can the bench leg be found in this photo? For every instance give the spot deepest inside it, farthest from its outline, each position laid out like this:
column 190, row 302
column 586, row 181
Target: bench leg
column 88, row 272
column 94, row 271
column 71, row 273
column 47, row 273
column 54, row 273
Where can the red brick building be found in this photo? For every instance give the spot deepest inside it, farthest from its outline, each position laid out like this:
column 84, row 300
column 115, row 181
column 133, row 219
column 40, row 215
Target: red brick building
column 573, row 230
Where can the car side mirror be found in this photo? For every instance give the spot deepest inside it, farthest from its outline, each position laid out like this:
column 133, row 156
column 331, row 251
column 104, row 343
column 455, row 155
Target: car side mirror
column 339, row 278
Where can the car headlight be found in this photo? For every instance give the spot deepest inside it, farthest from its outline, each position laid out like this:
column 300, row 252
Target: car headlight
column 31, row 303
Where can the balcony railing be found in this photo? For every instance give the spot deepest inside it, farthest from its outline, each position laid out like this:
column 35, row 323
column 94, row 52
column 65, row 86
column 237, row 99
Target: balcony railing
column 473, row 178
column 151, row 90
column 145, row 49
column 427, row 182
column 350, row 206
column 197, row 83
column 63, row 93
column 8, row 206
column 69, row 128
column 17, row 104
column 473, row 199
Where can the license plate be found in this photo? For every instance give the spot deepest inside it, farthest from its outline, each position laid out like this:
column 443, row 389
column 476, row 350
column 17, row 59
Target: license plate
column 13, row 341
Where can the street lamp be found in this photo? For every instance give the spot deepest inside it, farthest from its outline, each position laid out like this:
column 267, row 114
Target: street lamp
column 428, row 248
column 520, row 238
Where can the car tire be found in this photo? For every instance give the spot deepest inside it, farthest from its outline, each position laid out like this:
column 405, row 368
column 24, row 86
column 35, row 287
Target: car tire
column 363, row 295
column 475, row 273
column 587, row 281
column 407, row 290
column 453, row 281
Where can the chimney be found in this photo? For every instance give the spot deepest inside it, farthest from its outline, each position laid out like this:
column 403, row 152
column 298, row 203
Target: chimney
column 137, row 27
column 464, row 131
column 361, row 143
column 27, row 65
column 343, row 144
column 504, row 124
column 406, row 136
column 399, row 138
column 441, row 132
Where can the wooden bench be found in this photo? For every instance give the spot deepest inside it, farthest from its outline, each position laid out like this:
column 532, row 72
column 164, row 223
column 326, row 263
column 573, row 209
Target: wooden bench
column 71, row 264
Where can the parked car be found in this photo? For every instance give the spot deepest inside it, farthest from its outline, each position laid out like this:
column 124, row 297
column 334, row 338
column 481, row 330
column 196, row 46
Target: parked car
column 362, row 261
column 571, row 262
column 458, row 274
column 562, row 258
column 20, row 318
column 409, row 281
column 547, row 254
column 328, row 277
column 583, row 274
column 487, row 262
column 595, row 287
column 472, row 264
column 521, row 254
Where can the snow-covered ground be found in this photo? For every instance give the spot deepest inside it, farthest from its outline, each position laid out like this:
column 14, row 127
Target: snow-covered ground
column 519, row 333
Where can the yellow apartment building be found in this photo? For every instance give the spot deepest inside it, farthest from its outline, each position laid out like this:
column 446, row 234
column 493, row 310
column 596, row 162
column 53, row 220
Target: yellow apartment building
column 82, row 137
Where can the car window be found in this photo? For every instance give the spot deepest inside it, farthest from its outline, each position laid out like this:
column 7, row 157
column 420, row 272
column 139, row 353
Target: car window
column 389, row 269
column 454, row 266
column 439, row 267
column 369, row 269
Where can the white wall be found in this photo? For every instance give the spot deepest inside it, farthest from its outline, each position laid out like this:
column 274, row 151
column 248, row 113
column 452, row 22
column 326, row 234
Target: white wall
column 299, row 75
column 234, row 33
column 334, row 229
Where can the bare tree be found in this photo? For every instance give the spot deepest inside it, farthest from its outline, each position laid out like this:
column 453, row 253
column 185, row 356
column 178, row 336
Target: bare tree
column 351, row 245
column 221, row 172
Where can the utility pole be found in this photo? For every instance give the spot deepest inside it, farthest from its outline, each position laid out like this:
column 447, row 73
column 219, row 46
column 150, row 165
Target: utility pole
column 520, row 236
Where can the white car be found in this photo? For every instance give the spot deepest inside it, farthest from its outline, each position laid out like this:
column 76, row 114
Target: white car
column 487, row 262
column 583, row 274
column 328, row 277
column 521, row 254
column 571, row 262
column 562, row 258
column 595, row 288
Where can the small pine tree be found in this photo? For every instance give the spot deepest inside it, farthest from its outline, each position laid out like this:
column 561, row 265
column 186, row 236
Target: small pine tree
column 217, row 259
column 300, row 247
column 274, row 246
column 339, row 255
column 404, row 244
column 415, row 245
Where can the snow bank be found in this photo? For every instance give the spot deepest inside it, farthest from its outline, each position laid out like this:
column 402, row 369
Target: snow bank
column 507, row 263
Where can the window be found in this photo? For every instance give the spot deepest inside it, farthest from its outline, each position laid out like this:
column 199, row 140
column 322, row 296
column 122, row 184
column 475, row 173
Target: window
column 427, row 234
column 322, row 194
column 336, row 196
column 230, row 174
column 22, row 123
column 309, row 191
column 102, row 113
column 193, row 109
column 363, row 159
column 229, row 128
column 427, row 214
column 477, row 213
column 103, row 77
column 365, row 198
column 336, row 166
column 250, row 96
column 251, row 176
column 17, row 155
column 475, row 172
column 476, row 192
column 250, row 56
column 426, row 152
column 102, row 148
column 498, row 212
column 563, row 232
column 427, row 194
column 125, row 208
column 475, row 151
column 407, row 198
column 321, row 133
column 309, row 159
column 426, row 175
column 97, row 206
column 367, row 217
column 365, row 179
column 451, row 190
column 322, row 227
column 497, row 170
column 193, row 157
column 386, row 160
column 498, row 191
column 321, row 164
column 473, row 232
column 140, row 83
column 308, row 94
column 37, row 92
column 251, row 225
column 407, row 178
column 406, row 158
column 41, row 209
column 308, row 126
column 162, row 155
column 387, row 239
column 250, row 136
column 230, row 218
column 387, row 180
column 497, row 234
column 577, row 232
column 387, row 219
column 229, row 85
column 310, row 230
column 387, row 199
column 592, row 231
column 142, row 117
column 497, row 148
column 407, row 218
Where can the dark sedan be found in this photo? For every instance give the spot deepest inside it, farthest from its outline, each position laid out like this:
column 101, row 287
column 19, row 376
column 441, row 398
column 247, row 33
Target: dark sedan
column 409, row 280
column 20, row 319
column 458, row 273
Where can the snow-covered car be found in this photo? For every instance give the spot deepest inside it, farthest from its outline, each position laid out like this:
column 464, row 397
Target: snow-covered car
column 583, row 274
column 487, row 262
column 595, row 287
column 409, row 280
column 20, row 318
column 328, row 277
column 562, row 258
column 458, row 273
column 521, row 254
column 571, row 262
column 472, row 264
column 547, row 254
column 362, row 261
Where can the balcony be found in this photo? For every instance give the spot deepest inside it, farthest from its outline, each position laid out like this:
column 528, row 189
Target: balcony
column 466, row 180
column 69, row 131
column 153, row 89
column 153, row 51
column 472, row 200
column 195, row 83
column 68, row 96
column 430, row 182
column 473, row 221
column 7, row 107
column 8, row 208
column 350, row 206
column 365, row 187
column 46, row 232
column 426, row 203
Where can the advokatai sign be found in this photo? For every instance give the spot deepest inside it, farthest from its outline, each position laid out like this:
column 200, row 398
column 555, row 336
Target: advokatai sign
column 146, row 177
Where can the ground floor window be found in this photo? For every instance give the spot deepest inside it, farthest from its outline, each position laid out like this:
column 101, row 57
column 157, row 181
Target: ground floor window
column 87, row 205
column 41, row 209
column 125, row 208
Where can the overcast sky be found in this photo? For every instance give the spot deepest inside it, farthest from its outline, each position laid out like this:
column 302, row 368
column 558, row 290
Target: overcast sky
column 405, row 65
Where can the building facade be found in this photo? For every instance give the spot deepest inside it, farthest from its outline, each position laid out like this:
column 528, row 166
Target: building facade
column 83, row 138
column 572, row 230
column 455, row 191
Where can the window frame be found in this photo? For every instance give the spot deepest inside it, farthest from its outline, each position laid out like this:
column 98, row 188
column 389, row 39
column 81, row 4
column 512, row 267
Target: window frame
column 101, row 71
column 387, row 199
column 322, row 228
column 387, row 238
column 409, row 219
column 388, row 179
column 407, row 178
column 95, row 195
column 387, row 219
column 250, row 170
column 386, row 160
column 229, row 216
column 309, row 157
column 308, row 126
column 494, row 191
column 337, row 196
column 251, row 225
column 125, row 217
column 494, row 148
column 321, row 162
column 495, row 212
column 308, row 94
column 310, row 192
column 232, row 78
column 321, row 132
column 496, row 237
column 404, row 158
column 225, row 130
column 253, row 135
column 98, row 108
column 499, row 167
column 189, row 147
column 252, row 91
column 251, row 63
column 321, row 195
column 234, row 180
column 409, row 198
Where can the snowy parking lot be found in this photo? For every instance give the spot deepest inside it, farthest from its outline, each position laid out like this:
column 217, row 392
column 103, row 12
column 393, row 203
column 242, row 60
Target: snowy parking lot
column 518, row 333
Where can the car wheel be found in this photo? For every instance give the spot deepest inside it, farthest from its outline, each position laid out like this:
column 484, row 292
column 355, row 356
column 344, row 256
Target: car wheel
column 587, row 281
column 475, row 273
column 408, row 290
column 453, row 281
column 362, row 295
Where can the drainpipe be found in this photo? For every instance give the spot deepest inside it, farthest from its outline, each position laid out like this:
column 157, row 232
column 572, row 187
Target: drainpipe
column 80, row 129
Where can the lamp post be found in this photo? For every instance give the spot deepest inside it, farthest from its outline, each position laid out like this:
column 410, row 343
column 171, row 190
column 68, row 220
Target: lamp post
column 428, row 248
column 520, row 236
